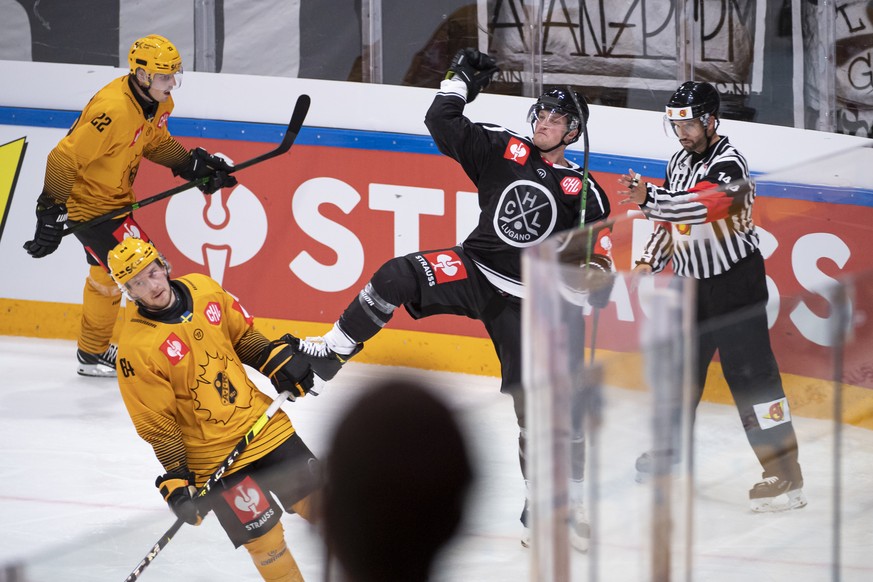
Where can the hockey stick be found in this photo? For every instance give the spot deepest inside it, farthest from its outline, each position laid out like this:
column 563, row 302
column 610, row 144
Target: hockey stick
column 297, row 117
column 219, row 472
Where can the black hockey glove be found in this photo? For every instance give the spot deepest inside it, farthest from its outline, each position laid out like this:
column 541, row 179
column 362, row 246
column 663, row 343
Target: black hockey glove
column 202, row 164
column 474, row 68
column 178, row 491
column 279, row 363
column 50, row 220
column 601, row 280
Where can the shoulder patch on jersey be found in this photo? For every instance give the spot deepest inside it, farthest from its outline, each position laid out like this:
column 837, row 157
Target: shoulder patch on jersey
column 571, row 185
column 174, row 348
column 516, row 151
column 213, row 313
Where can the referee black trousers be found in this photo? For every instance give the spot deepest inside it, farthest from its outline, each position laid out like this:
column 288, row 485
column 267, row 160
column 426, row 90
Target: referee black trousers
column 732, row 320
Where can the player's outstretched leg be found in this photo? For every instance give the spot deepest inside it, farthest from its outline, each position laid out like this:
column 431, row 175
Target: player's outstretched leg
column 775, row 494
column 328, row 354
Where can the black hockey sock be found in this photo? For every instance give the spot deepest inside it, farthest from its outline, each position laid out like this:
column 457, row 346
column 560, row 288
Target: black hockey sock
column 392, row 285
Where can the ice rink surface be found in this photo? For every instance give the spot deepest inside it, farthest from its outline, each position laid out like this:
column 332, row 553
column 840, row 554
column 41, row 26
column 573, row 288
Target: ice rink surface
column 78, row 503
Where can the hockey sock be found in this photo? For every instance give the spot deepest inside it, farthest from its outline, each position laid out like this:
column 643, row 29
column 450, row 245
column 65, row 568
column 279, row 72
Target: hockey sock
column 272, row 557
column 101, row 299
column 337, row 340
column 394, row 284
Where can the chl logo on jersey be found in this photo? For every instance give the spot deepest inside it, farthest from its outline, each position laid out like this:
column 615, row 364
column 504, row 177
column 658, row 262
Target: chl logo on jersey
column 571, row 185
column 517, row 151
column 174, row 348
column 447, row 266
column 526, row 213
column 163, row 120
column 213, row 313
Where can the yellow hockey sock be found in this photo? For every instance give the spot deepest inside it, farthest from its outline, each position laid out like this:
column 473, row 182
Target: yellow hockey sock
column 100, row 301
column 272, row 557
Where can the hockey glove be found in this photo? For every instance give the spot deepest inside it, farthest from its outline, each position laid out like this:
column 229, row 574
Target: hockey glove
column 50, row 220
column 178, row 491
column 202, row 164
column 474, row 68
column 279, row 363
column 600, row 280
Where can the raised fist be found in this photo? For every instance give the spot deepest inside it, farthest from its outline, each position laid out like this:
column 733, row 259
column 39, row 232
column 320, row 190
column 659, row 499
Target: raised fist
column 474, row 68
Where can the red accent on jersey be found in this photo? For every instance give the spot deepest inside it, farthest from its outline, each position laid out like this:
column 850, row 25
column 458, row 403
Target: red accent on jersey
column 247, row 499
column 447, row 266
column 163, row 120
column 238, row 306
column 213, row 313
column 136, row 137
column 130, row 229
column 717, row 203
column 571, row 185
column 603, row 244
column 517, row 151
column 174, row 348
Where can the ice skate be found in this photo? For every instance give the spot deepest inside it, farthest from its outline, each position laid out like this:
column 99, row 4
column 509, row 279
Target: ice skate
column 645, row 464
column 775, row 494
column 525, row 523
column 98, row 365
column 580, row 528
column 324, row 361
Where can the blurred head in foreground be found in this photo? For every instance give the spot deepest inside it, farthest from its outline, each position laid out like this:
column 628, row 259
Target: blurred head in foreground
column 398, row 473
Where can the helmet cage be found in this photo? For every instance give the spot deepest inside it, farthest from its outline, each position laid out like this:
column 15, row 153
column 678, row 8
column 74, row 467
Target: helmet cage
column 558, row 102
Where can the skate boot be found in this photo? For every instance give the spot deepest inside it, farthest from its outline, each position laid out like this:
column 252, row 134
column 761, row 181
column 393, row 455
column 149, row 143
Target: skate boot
column 525, row 524
column 775, row 494
column 98, row 365
column 645, row 464
column 580, row 528
column 324, row 361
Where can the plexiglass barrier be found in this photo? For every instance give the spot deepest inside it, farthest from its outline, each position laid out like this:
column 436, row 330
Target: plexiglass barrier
column 676, row 490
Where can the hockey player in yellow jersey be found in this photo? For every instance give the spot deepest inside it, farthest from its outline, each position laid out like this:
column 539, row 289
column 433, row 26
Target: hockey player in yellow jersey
column 181, row 375
column 91, row 172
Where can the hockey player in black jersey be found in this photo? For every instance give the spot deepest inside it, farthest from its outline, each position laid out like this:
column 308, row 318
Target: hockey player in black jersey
column 527, row 191
column 705, row 227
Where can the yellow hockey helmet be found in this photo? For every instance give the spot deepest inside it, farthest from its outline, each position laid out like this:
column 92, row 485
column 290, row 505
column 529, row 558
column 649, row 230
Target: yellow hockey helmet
column 129, row 258
column 154, row 54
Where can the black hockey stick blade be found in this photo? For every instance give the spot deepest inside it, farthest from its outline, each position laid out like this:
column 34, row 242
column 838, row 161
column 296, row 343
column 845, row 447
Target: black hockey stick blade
column 213, row 479
column 294, row 126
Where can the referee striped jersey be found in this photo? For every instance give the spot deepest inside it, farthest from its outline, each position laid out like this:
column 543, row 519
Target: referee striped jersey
column 704, row 213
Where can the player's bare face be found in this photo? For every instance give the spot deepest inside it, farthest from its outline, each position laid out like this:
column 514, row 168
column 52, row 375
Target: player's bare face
column 151, row 287
column 691, row 134
column 549, row 129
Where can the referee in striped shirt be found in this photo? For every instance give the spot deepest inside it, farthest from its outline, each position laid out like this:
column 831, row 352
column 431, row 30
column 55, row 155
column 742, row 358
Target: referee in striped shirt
column 704, row 226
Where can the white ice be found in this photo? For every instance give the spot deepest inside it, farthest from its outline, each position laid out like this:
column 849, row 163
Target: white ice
column 77, row 500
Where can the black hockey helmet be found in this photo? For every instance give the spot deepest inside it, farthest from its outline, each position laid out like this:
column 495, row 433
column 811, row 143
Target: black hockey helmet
column 693, row 100
column 561, row 101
